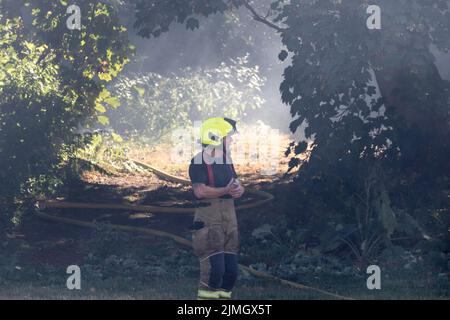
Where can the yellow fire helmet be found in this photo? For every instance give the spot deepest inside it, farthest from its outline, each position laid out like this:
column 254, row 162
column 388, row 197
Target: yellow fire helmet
column 213, row 130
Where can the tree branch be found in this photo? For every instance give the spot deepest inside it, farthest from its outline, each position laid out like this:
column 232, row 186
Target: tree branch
column 259, row 18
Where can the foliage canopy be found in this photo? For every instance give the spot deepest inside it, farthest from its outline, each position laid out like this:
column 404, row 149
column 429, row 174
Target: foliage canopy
column 51, row 78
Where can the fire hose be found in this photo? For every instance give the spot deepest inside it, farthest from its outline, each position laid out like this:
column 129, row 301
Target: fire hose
column 41, row 205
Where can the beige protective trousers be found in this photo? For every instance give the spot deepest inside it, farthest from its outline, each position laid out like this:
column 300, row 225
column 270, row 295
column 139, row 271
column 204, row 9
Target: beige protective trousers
column 216, row 243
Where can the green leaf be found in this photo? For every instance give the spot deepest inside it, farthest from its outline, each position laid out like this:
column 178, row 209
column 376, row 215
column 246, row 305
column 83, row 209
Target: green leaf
column 103, row 120
column 100, row 108
column 192, row 23
column 113, row 102
column 105, row 77
column 116, row 137
column 301, row 147
column 9, row 68
column 283, row 55
column 30, row 46
column 104, row 94
column 140, row 91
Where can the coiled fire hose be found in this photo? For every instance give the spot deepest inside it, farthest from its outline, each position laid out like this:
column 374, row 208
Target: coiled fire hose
column 41, row 205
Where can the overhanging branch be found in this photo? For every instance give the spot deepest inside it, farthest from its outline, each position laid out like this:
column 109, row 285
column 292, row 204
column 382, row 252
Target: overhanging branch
column 260, row 18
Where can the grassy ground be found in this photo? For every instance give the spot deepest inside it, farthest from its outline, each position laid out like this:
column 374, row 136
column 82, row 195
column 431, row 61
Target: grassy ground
column 174, row 289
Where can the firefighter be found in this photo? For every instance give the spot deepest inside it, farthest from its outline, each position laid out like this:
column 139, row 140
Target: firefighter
column 215, row 230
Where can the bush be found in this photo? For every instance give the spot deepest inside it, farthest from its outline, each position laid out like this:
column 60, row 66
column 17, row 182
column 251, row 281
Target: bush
column 152, row 105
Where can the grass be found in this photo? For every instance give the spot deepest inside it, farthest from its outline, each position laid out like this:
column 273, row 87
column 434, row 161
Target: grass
column 174, row 288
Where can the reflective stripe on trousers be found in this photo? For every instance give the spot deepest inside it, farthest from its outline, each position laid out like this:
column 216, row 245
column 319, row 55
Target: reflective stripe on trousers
column 207, row 294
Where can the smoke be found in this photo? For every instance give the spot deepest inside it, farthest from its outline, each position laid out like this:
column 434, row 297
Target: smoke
column 220, row 38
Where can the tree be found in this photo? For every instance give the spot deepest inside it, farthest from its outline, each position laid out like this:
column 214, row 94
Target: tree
column 398, row 129
column 50, row 81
